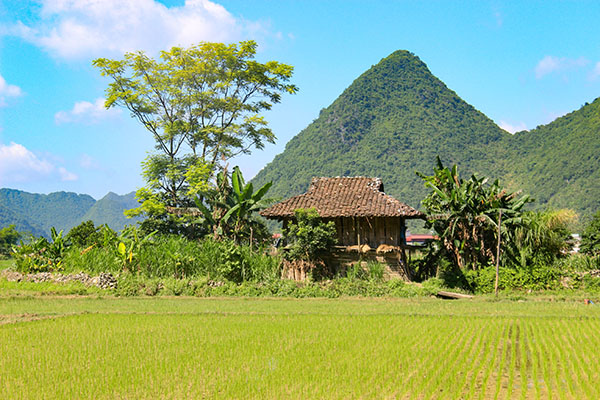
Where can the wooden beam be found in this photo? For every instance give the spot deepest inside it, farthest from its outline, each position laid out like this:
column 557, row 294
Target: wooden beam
column 452, row 295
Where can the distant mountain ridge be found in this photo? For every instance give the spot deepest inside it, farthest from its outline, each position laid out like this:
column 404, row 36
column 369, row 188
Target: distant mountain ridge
column 37, row 213
column 397, row 117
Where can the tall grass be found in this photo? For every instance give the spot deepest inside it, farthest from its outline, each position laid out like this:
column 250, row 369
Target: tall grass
column 177, row 257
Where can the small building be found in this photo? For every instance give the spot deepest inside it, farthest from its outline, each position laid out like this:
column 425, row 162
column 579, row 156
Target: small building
column 367, row 220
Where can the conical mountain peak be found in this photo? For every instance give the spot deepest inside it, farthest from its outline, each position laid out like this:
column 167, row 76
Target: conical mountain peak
column 397, row 117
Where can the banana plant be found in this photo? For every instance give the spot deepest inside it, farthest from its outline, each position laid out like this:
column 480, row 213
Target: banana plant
column 232, row 206
column 464, row 213
column 129, row 244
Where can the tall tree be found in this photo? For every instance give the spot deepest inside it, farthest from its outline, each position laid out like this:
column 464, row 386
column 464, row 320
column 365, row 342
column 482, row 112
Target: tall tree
column 202, row 105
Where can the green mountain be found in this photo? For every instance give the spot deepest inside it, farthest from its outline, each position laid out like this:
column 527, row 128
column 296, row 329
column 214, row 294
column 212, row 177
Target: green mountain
column 559, row 163
column 41, row 211
column 397, row 117
column 10, row 217
column 37, row 213
column 109, row 210
column 392, row 121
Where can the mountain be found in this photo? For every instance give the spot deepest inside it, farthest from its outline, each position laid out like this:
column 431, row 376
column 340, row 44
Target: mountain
column 559, row 163
column 37, row 213
column 10, row 217
column 391, row 121
column 109, row 210
column 397, row 117
column 41, row 211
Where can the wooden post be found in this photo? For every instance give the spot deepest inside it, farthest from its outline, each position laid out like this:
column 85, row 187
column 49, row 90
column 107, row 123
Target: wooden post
column 498, row 255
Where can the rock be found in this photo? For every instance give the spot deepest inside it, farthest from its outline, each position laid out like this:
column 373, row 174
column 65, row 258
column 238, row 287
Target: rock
column 10, row 275
column 106, row 281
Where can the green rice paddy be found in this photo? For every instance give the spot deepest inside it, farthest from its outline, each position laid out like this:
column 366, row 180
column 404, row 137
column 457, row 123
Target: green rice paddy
column 173, row 348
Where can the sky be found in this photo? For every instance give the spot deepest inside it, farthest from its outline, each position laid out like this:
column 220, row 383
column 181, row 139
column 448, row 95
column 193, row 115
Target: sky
column 522, row 63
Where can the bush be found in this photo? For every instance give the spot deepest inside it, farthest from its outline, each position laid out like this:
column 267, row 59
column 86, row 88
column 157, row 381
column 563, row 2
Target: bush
column 9, row 237
column 309, row 237
column 534, row 278
column 40, row 254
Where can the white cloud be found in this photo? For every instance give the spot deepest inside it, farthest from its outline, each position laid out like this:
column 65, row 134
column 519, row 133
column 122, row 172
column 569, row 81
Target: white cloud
column 508, row 127
column 550, row 64
column 86, row 112
column 18, row 164
column 66, row 175
column 7, row 90
column 596, row 71
column 72, row 29
column 88, row 162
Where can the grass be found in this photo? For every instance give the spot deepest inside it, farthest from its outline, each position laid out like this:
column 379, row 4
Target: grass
column 8, row 263
column 94, row 347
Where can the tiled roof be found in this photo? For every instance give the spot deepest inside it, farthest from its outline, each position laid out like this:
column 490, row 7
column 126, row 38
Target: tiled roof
column 344, row 197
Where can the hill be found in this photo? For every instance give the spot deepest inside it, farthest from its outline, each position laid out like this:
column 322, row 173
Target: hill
column 559, row 163
column 109, row 210
column 397, row 117
column 37, row 213
column 391, row 121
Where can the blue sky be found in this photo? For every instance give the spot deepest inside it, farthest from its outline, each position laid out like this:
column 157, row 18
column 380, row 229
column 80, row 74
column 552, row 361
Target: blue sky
column 521, row 63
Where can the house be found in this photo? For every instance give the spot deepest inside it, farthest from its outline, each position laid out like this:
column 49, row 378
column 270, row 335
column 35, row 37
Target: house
column 370, row 224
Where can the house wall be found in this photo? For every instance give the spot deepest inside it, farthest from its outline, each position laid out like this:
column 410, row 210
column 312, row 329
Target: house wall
column 339, row 260
column 372, row 231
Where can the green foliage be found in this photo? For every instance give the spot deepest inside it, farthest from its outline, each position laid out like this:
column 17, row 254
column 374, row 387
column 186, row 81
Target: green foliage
column 87, row 235
column 9, row 237
column 539, row 238
column 308, row 236
column 128, row 246
column 109, row 211
column 170, row 256
column 40, row 254
column 590, row 239
column 465, row 214
column 202, row 106
column 84, row 234
column 229, row 209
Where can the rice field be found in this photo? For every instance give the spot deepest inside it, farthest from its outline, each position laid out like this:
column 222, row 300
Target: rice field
column 173, row 348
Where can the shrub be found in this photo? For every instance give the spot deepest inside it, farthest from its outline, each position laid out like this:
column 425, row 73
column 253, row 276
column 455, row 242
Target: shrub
column 309, row 237
column 40, row 254
column 9, row 237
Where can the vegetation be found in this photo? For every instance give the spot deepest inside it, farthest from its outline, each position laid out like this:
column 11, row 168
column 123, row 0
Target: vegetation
column 308, row 236
column 557, row 163
column 465, row 215
column 202, row 106
column 396, row 118
column 229, row 209
column 37, row 213
column 590, row 239
column 9, row 237
column 240, row 348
